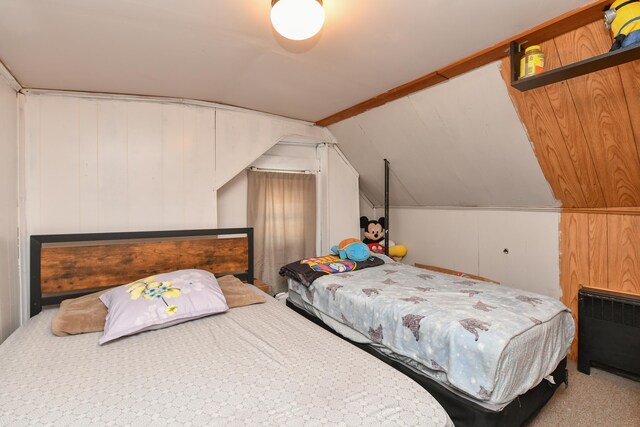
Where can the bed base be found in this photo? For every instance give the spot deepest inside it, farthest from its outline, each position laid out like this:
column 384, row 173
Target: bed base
column 464, row 412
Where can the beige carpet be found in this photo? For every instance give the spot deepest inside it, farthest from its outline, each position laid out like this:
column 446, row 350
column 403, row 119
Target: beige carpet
column 599, row 399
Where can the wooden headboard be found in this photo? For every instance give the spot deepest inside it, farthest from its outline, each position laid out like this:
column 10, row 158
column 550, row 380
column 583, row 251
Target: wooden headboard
column 70, row 265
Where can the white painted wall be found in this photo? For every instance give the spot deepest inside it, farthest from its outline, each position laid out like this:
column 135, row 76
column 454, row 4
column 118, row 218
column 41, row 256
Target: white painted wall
column 9, row 279
column 94, row 165
column 460, row 143
column 243, row 137
column 473, row 241
column 342, row 201
column 110, row 163
column 366, row 208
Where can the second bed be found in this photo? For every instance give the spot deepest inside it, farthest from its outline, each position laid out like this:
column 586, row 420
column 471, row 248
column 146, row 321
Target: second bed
column 483, row 343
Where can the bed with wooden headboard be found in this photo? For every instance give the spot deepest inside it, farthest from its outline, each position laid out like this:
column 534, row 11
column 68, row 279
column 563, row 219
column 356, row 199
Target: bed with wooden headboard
column 70, row 265
column 257, row 364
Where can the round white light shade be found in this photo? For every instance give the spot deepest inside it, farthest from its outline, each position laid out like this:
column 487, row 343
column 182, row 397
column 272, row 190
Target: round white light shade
column 297, row 19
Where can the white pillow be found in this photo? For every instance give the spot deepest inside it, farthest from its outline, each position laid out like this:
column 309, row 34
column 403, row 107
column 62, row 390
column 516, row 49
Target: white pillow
column 161, row 301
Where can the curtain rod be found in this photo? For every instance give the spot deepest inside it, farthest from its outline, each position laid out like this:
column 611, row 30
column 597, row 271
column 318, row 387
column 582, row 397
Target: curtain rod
column 255, row 169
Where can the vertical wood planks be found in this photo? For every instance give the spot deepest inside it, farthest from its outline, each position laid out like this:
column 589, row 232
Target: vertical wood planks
column 88, row 164
column 200, row 167
column 600, row 101
column 116, row 165
column 173, row 166
column 573, row 135
column 624, row 253
column 60, row 165
column 33, row 161
column 144, row 165
column 574, row 264
column 598, row 251
column 113, row 197
column 601, row 250
column 554, row 158
column 630, row 75
column 586, row 130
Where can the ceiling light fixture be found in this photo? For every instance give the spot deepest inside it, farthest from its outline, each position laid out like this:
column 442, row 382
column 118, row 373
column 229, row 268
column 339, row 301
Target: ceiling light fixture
column 297, row 19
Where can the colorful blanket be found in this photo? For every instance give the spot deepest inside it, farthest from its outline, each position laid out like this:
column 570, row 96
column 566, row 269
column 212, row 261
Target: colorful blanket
column 306, row 271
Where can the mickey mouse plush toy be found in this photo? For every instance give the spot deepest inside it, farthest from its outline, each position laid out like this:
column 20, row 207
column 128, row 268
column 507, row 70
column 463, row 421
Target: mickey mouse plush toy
column 373, row 234
column 374, row 238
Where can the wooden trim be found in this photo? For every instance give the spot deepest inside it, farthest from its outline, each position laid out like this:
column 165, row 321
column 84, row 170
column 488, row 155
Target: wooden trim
column 562, row 24
column 9, row 78
column 454, row 273
column 603, row 211
column 607, row 291
column 423, row 82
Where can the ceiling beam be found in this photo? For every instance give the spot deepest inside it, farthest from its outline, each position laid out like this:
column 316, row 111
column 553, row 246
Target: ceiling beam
column 562, row 24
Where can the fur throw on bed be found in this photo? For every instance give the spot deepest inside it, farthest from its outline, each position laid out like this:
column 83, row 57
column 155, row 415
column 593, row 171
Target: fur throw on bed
column 80, row 315
column 87, row 313
column 238, row 293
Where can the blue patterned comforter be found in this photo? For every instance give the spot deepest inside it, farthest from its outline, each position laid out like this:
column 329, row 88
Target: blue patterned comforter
column 447, row 323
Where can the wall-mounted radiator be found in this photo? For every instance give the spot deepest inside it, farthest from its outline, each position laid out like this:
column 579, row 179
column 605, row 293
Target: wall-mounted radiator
column 608, row 330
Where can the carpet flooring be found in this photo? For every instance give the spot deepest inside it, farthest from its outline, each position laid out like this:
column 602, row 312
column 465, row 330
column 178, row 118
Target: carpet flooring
column 599, row 399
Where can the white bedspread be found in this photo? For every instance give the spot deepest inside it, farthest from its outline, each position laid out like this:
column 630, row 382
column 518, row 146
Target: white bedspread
column 255, row 365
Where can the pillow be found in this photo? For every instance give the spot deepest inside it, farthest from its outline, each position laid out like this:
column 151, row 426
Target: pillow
column 161, row 301
column 238, row 293
column 80, row 315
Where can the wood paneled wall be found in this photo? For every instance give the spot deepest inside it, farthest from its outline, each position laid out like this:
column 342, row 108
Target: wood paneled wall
column 600, row 250
column 586, row 135
column 586, row 131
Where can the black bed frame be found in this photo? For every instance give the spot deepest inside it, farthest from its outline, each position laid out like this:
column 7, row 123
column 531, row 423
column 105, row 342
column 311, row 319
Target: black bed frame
column 464, row 412
column 37, row 300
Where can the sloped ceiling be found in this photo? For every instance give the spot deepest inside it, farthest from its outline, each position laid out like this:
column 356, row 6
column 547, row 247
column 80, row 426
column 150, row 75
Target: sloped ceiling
column 460, row 143
column 226, row 51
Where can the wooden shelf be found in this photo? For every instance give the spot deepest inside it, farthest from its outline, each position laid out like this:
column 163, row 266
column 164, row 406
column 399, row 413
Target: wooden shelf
column 597, row 63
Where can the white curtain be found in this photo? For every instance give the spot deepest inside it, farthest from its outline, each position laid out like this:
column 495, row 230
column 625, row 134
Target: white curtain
column 281, row 207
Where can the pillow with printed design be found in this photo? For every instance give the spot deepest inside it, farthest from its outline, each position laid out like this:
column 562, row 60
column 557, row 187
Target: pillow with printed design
column 161, row 301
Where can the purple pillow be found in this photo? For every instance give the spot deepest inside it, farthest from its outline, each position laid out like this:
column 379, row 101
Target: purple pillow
column 161, row 301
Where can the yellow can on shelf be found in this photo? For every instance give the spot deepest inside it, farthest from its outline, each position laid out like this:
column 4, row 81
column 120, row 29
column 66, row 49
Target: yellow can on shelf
column 532, row 62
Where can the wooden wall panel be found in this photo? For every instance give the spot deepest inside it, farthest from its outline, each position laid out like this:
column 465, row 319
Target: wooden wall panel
column 624, row 253
column 574, row 265
column 597, row 119
column 598, row 251
column 600, row 100
column 630, row 75
column 537, row 114
column 573, row 134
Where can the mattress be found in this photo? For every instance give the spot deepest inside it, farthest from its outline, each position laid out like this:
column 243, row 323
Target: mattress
column 526, row 359
column 254, row 365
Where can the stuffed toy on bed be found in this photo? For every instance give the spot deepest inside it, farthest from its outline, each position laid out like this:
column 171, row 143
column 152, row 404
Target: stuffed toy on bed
column 374, row 237
column 352, row 249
